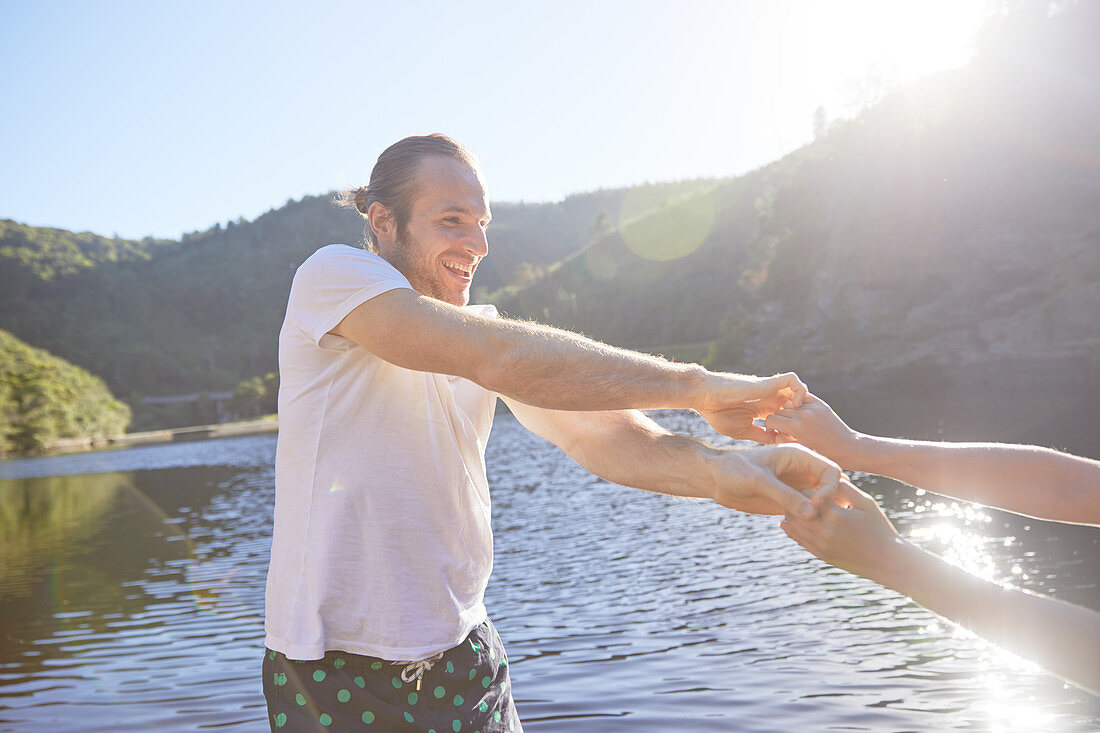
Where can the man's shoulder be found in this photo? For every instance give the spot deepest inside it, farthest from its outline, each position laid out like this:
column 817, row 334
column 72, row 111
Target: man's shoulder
column 339, row 251
column 336, row 258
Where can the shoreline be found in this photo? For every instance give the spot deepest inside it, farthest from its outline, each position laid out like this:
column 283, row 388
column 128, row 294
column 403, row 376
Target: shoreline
column 266, row 424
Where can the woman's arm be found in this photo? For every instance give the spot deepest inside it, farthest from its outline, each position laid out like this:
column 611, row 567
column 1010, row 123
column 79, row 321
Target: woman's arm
column 1025, row 479
column 856, row 536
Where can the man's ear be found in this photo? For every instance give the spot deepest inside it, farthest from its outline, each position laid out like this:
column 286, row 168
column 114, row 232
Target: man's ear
column 381, row 222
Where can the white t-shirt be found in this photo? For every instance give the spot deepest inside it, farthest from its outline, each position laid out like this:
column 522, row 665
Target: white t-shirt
column 382, row 543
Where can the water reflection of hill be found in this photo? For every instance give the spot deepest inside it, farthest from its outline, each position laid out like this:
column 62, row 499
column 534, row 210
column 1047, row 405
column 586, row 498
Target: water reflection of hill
column 1045, row 402
column 90, row 561
column 44, row 520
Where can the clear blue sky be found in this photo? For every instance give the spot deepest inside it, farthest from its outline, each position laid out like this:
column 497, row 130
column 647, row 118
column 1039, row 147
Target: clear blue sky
column 156, row 118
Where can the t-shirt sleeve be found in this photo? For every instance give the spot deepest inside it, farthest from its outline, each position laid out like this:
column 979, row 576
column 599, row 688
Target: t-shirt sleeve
column 485, row 309
column 333, row 282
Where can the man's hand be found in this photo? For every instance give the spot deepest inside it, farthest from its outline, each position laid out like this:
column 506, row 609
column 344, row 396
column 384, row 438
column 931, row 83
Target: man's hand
column 816, row 426
column 772, row 480
column 732, row 402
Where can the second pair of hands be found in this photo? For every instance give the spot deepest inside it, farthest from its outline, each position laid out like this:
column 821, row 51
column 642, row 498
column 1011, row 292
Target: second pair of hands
column 791, row 475
column 849, row 530
column 778, row 478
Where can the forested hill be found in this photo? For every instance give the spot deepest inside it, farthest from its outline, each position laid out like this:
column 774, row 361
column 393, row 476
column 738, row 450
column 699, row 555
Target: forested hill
column 957, row 221
column 43, row 399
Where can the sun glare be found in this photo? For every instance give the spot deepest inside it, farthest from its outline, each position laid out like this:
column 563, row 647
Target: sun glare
column 852, row 50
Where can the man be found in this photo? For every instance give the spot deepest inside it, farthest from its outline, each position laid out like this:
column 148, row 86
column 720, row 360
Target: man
column 382, row 545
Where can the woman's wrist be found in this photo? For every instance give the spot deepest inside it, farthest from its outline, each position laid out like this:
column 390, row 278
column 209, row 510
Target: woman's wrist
column 896, row 565
column 860, row 452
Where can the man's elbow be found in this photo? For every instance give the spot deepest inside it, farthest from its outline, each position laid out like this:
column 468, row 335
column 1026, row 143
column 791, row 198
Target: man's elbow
column 497, row 367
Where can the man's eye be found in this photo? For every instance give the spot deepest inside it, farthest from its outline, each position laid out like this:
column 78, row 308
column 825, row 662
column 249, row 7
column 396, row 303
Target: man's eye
column 452, row 220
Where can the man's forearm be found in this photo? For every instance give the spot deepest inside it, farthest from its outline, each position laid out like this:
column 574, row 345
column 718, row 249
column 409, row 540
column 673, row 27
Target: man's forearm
column 1061, row 637
column 549, row 367
column 628, row 448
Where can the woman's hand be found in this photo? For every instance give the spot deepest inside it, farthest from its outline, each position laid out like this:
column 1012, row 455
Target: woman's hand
column 852, row 533
column 733, row 401
column 816, row 426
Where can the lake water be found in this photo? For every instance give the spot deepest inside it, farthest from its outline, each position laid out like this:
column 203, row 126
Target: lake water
column 131, row 599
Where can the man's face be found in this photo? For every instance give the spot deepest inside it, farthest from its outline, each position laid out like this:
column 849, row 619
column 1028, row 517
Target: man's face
column 444, row 239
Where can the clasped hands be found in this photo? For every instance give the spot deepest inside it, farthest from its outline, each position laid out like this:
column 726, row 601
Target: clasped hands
column 824, row 512
column 775, row 479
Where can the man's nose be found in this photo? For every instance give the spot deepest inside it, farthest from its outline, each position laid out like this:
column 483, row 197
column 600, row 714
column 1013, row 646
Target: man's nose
column 478, row 242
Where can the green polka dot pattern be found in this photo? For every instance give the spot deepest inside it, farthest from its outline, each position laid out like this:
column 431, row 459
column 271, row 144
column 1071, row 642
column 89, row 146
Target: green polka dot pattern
column 465, row 691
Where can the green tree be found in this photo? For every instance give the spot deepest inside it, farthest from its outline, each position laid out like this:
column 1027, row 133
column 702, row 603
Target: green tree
column 44, row 398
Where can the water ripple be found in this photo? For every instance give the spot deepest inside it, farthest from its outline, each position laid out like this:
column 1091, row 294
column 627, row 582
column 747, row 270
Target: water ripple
column 135, row 603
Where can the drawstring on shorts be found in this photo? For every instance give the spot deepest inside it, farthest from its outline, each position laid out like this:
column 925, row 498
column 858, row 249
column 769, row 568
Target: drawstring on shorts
column 416, row 670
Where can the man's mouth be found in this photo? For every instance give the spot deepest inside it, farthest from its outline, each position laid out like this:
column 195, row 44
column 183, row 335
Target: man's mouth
column 463, row 270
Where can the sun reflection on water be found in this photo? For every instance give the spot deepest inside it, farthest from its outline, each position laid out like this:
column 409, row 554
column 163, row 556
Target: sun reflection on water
column 960, row 533
column 1003, row 709
column 956, row 536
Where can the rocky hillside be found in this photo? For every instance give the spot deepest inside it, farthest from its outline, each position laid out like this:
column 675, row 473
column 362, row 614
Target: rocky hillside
column 956, row 222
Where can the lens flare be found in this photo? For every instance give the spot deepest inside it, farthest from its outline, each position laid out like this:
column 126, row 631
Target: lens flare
column 665, row 228
column 600, row 263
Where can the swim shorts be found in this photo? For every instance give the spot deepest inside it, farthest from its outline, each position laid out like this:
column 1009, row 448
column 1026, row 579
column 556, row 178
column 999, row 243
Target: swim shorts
column 463, row 690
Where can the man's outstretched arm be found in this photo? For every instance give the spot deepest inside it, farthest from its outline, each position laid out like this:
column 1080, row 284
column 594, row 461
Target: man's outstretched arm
column 556, row 369
column 628, row 448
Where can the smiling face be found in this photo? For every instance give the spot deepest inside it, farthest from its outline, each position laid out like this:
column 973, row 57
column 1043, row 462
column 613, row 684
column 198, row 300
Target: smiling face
column 444, row 238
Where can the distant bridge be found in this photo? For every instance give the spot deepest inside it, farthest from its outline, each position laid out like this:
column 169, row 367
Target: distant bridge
column 218, row 398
